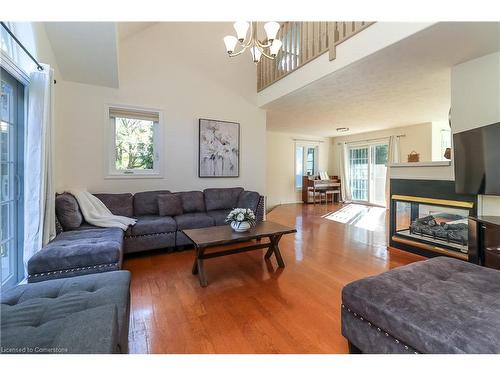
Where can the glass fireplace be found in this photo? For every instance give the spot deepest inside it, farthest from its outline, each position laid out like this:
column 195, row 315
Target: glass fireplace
column 439, row 224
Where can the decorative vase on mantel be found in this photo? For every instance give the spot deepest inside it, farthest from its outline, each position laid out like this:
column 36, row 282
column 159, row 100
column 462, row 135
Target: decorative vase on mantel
column 241, row 219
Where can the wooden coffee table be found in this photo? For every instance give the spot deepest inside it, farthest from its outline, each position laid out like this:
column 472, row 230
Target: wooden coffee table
column 223, row 235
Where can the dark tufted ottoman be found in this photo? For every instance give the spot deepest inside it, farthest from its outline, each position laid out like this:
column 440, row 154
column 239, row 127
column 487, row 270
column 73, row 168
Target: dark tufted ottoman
column 83, row 314
column 440, row 305
column 78, row 252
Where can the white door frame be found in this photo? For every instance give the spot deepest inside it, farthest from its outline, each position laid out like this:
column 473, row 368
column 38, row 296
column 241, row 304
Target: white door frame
column 370, row 145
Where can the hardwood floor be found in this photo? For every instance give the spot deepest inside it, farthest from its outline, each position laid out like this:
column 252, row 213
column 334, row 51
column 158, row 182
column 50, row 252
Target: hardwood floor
column 252, row 306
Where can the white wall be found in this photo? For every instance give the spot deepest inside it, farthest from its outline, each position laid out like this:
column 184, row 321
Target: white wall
column 442, row 170
column 417, row 138
column 182, row 69
column 475, row 93
column 281, row 166
column 475, row 102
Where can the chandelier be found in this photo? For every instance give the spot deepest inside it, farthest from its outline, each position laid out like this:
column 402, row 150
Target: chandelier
column 268, row 48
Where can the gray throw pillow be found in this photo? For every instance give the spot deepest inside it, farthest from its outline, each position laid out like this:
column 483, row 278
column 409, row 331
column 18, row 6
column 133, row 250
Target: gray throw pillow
column 170, row 205
column 68, row 212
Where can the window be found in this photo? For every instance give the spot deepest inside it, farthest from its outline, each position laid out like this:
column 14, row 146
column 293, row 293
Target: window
column 367, row 172
column 11, row 177
column 445, row 141
column 306, row 162
column 136, row 142
column 6, row 42
column 310, row 161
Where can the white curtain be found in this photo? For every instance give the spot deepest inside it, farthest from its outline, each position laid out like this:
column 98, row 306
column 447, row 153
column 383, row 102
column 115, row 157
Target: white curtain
column 344, row 173
column 392, row 157
column 39, row 194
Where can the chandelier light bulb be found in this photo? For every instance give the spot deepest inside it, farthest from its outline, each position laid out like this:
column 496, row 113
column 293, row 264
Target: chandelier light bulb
column 272, row 29
column 275, row 47
column 230, row 42
column 256, row 54
column 241, row 28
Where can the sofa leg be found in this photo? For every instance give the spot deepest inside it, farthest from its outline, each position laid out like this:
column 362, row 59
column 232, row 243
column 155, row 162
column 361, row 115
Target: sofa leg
column 353, row 349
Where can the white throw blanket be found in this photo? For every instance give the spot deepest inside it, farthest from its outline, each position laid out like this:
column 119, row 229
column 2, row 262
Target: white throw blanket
column 96, row 213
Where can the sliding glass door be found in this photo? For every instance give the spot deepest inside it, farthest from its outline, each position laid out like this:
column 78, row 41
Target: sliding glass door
column 358, row 173
column 367, row 173
column 11, row 177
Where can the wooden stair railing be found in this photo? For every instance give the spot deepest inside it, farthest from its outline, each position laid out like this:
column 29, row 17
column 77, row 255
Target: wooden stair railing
column 303, row 42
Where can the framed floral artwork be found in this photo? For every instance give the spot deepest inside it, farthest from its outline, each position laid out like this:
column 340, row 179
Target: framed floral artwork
column 219, row 148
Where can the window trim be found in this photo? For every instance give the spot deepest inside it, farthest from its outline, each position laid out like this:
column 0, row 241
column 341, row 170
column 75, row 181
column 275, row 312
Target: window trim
column 11, row 62
column 14, row 69
column 305, row 145
column 110, row 141
column 20, row 138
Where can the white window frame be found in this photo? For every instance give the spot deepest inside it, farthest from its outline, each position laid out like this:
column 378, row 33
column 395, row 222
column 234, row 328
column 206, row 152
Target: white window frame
column 371, row 156
column 305, row 146
column 12, row 50
column 10, row 60
column 158, row 146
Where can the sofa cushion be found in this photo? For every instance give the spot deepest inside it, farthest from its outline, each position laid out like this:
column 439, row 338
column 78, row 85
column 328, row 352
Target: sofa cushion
column 194, row 220
column 86, row 226
column 192, row 201
column 133, row 244
column 219, row 216
column 118, row 204
column 146, row 202
column 77, row 249
column 249, row 199
column 170, row 204
column 441, row 305
column 153, row 224
column 83, row 314
column 220, row 199
column 68, row 211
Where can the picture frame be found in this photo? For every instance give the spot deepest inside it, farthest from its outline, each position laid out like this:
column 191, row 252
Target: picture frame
column 218, row 149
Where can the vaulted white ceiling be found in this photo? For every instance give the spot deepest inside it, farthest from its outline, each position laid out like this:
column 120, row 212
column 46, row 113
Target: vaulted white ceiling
column 403, row 84
column 86, row 52
column 126, row 29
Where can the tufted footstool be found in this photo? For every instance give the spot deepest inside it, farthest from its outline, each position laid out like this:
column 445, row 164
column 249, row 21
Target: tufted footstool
column 83, row 314
column 440, row 305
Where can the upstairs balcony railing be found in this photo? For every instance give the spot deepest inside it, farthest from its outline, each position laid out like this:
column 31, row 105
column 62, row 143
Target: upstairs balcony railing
column 303, row 42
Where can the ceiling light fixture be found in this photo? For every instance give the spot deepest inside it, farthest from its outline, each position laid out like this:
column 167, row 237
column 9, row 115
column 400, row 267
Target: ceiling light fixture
column 342, row 130
column 268, row 48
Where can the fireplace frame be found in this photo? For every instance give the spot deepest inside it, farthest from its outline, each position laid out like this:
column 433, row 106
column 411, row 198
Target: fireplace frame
column 429, row 192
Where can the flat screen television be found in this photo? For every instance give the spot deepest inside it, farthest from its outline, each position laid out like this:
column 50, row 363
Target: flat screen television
column 477, row 160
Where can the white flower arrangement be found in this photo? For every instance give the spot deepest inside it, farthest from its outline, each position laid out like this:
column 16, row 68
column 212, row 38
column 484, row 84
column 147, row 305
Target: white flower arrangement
column 240, row 215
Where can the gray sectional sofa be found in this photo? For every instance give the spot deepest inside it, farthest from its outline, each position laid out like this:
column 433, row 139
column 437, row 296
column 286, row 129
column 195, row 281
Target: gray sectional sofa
column 84, row 314
column 440, row 306
column 80, row 248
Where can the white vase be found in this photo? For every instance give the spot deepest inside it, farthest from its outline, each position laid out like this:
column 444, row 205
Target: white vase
column 240, row 226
